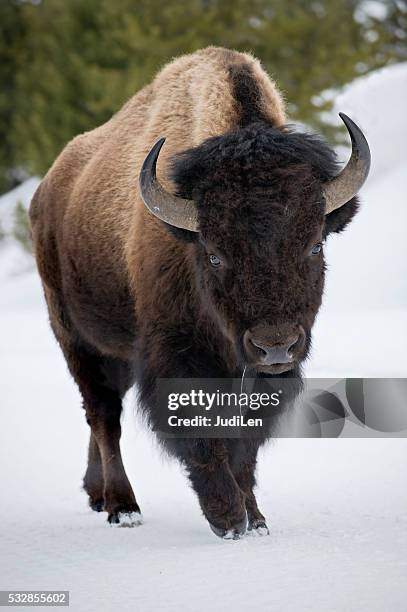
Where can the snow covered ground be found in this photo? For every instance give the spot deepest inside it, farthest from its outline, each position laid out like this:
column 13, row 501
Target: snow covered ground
column 337, row 509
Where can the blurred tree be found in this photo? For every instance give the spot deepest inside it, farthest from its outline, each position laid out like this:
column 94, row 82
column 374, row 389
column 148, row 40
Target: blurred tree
column 388, row 28
column 12, row 33
column 21, row 227
column 71, row 65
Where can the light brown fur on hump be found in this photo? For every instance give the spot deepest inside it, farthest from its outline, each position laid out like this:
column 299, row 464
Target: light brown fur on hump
column 89, row 201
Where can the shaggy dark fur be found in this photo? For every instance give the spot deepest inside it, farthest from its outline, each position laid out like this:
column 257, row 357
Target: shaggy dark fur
column 258, row 191
column 246, row 94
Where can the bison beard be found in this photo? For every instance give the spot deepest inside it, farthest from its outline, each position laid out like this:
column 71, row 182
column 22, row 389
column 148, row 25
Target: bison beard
column 133, row 299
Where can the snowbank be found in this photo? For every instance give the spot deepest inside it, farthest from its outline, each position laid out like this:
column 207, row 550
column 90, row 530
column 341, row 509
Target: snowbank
column 362, row 327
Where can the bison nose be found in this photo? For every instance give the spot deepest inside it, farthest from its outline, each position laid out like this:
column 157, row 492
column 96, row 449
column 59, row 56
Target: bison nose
column 261, row 351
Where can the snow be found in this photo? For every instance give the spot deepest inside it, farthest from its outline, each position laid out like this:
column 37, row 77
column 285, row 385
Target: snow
column 128, row 519
column 336, row 508
column 361, row 329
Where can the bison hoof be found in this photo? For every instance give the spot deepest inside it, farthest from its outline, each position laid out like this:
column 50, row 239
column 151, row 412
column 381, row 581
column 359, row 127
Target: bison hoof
column 234, row 533
column 97, row 505
column 257, row 528
column 125, row 519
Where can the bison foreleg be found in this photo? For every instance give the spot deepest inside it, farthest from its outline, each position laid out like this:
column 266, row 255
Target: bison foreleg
column 243, row 464
column 93, row 482
column 221, row 499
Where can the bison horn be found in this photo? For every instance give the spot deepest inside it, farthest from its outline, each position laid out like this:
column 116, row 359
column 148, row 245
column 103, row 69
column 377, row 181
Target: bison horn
column 343, row 187
column 164, row 205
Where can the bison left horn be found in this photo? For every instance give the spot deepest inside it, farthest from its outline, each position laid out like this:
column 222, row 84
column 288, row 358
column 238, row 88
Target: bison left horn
column 348, row 182
column 164, row 205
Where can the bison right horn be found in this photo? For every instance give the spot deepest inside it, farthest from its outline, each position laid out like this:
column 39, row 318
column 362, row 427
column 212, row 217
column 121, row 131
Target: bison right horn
column 348, row 182
column 164, row 205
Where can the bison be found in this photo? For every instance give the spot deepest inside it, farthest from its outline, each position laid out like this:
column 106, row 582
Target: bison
column 198, row 258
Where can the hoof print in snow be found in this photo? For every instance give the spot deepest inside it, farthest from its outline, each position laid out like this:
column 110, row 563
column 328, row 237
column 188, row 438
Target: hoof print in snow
column 125, row 519
column 258, row 529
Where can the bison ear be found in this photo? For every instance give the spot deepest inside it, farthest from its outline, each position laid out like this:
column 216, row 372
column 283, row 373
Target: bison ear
column 337, row 220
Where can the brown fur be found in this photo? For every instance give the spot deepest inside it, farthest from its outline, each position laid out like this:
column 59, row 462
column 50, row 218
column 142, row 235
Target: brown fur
column 88, row 211
column 132, row 299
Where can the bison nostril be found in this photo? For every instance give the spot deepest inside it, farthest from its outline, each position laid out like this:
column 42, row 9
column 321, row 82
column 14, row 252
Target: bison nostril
column 259, row 348
column 291, row 347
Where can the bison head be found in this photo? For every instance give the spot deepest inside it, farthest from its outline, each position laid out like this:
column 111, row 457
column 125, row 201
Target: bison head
column 257, row 205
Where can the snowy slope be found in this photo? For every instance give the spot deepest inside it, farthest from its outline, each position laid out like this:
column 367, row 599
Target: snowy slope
column 362, row 327
column 337, row 508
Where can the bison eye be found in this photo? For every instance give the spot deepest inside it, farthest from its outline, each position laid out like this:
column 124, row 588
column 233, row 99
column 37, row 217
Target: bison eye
column 215, row 261
column 317, row 248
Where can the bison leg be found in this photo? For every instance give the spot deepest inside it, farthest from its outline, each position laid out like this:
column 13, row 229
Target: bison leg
column 220, row 497
column 93, row 481
column 103, row 416
column 102, row 381
column 243, row 465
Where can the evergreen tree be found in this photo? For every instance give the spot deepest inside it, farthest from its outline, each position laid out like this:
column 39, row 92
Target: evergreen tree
column 21, row 227
column 68, row 66
column 12, row 34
